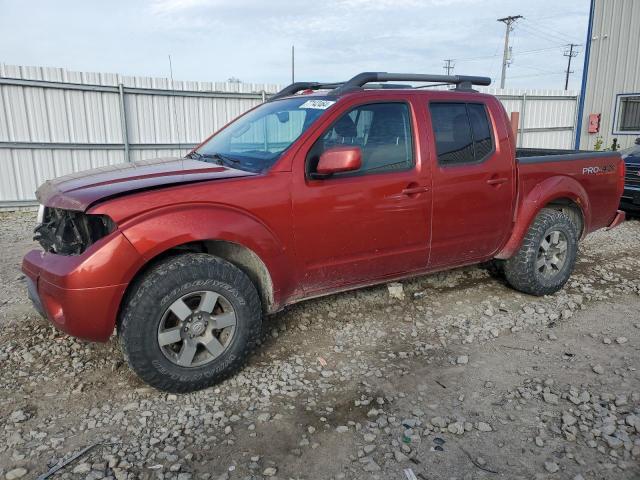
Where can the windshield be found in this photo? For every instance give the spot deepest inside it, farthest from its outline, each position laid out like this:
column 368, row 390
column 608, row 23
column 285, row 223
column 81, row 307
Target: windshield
column 256, row 140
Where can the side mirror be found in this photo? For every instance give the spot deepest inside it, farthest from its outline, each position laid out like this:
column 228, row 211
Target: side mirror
column 338, row 160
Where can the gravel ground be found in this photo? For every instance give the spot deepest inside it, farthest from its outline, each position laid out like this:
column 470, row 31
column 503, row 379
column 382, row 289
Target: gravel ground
column 453, row 376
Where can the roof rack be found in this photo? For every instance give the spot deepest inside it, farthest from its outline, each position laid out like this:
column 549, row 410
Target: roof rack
column 462, row 82
column 298, row 86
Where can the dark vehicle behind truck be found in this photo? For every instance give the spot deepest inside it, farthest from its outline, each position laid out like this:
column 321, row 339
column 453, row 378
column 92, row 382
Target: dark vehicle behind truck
column 630, row 201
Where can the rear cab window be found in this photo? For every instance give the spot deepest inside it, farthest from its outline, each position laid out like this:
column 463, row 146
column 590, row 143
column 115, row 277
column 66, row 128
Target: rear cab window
column 381, row 130
column 462, row 132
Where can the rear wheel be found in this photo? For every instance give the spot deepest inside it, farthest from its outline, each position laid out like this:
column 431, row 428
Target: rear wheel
column 547, row 256
column 189, row 322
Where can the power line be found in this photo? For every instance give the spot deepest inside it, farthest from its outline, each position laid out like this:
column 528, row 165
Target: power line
column 508, row 21
column 537, row 75
column 449, row 65
column 571, row 53
column 543, row 33
column 524, row 52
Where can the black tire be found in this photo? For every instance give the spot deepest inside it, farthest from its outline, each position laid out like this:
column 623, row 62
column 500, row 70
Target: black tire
column 147, row 305
column 521, row 271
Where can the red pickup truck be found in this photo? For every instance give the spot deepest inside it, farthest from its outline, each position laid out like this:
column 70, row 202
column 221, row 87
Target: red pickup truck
column 324, row 188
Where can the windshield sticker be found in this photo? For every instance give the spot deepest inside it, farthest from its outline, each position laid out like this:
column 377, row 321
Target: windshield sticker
column 317, row 104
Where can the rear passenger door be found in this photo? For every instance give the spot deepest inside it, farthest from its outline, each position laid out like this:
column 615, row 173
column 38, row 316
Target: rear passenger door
column 473, row 182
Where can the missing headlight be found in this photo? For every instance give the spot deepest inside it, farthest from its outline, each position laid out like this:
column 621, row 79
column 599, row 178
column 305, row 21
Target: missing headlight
column 67, row 232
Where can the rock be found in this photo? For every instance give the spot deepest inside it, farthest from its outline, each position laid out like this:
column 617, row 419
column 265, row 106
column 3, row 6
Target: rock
column 551, row 467
column 456, row 428
column 606, row 341
column 539, row 441
column 82, row 468
column 395, row 291
column 18, row 416
column 439, row 422
column 270, row 472
column 369, row 448
column 568, row 420
column 551, row 398
column 16, row 473
column 462, row 360
column 621, row 400
column 484, row 427
column 598, row 369
column 399, row 456
column 371, row 466
column 342, row 429
column 613, row 442
column 621, row 340
column 608, row 429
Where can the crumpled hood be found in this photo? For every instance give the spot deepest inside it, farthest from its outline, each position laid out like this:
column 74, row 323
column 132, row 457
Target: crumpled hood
column 78, row 191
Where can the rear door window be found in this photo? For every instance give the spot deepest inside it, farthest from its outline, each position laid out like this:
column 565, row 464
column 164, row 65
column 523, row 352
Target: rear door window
column 462, row 132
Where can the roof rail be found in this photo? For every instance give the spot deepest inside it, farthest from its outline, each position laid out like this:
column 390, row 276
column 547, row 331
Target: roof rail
column 298, row 86
column 462, row 82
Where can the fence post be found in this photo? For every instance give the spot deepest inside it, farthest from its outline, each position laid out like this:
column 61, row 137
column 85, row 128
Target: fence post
column 523, row 111
column 123, row 123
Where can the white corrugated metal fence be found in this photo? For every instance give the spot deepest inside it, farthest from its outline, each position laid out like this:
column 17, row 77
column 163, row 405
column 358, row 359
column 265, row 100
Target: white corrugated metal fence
column 54, row 122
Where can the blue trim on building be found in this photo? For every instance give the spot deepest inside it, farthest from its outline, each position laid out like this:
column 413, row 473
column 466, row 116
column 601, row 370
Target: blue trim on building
column 585, row 73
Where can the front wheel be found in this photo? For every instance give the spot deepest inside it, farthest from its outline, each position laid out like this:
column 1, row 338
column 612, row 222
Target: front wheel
column 547, row 256
column 189, row 322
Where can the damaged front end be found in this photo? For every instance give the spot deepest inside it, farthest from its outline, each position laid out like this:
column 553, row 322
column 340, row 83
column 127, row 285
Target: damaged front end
column 69, row 232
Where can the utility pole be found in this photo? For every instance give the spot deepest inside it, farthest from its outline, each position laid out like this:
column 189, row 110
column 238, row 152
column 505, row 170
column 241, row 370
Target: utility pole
column 508, row 21
column 570, row 53
column 293, row 63
column 449, row 65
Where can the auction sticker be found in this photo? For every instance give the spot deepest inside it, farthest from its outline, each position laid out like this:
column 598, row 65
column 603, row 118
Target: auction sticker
column 317, row 104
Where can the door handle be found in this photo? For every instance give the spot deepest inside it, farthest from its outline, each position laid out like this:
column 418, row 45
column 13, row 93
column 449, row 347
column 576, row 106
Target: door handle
column 414, row 190
column 497, row 181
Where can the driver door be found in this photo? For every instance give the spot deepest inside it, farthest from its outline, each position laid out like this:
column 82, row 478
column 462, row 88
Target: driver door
column 360, row 226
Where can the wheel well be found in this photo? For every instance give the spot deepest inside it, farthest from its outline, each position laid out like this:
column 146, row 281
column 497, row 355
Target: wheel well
column 573, row 211
column 238, row 255
column 247, row 261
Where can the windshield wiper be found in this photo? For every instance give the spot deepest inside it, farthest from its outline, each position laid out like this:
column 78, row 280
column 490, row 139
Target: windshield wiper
column 220, row 159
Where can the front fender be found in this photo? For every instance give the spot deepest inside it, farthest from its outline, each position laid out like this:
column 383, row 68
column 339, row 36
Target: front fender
column 544, row 193
column 157, row 231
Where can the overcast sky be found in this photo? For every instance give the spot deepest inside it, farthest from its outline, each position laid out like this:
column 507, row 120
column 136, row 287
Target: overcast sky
column 213, row 40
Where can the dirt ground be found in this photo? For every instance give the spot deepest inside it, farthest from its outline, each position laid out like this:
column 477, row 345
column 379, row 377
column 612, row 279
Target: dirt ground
column 463, row 378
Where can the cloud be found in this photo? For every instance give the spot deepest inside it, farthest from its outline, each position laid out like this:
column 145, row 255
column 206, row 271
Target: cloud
column 251, row 39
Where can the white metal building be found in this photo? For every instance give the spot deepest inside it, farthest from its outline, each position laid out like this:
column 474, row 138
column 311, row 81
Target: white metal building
column 611, row 76
column 54, row 122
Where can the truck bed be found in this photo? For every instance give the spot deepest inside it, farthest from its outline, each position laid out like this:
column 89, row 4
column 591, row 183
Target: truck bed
column 596, row 174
